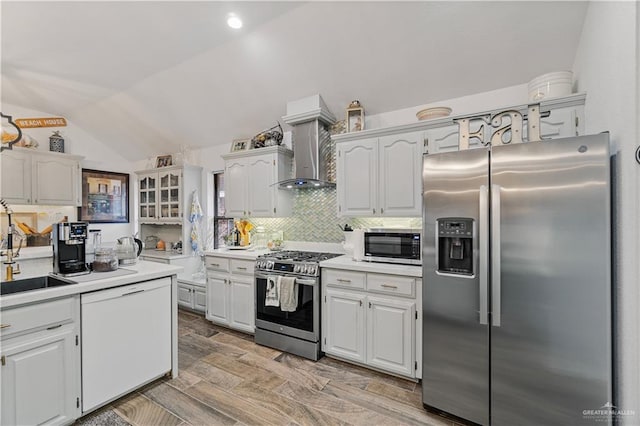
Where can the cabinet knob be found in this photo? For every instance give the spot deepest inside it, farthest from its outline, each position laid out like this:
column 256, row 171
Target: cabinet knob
column 374, row 211
column 381, row 210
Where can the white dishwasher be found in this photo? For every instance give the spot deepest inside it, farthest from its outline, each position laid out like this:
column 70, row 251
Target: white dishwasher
column 126, row 339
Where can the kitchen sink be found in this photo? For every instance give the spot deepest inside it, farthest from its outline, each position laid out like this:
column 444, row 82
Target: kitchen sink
column 28, row 284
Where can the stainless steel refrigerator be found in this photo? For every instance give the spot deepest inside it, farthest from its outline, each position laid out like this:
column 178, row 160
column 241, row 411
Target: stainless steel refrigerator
column 517, row 282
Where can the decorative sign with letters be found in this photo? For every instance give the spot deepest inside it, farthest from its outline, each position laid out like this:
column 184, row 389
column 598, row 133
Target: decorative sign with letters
column 506, row 127
column 26, row 123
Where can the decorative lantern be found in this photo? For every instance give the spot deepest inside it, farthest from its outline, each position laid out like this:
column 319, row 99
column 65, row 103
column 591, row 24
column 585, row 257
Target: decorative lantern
column 355, row 117
column 56, row 142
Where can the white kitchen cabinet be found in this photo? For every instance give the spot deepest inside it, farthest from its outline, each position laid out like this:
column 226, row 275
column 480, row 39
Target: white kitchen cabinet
column 160, row 196
column 192, row 295
column 376, row 324
column 16, row 176
column 218, row 295
column 442, row 139
column 165, row 196
column 558, row 123
column 345, row 329
column 230, row 294
column 391, row 334
column 56, row 181
column 147, row 197
column 250, row 179
column 241, row 303
column 40, row 379
column 400, row 175
column 236, row 185
column 380, row 176
column 40, row 177
column 561, row 123
column 357, row 177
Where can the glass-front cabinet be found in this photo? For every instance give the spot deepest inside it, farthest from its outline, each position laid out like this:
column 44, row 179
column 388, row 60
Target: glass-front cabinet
column 160, row 196
column 170, row 195
column 147, row 188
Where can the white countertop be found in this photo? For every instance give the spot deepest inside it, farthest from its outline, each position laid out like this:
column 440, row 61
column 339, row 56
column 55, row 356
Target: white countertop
column 163, row 254
column 144, row 271
column 347, row 263
column 250, row 254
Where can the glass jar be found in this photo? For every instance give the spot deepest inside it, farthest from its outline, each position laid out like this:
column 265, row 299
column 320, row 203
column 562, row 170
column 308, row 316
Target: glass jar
column 105, row 260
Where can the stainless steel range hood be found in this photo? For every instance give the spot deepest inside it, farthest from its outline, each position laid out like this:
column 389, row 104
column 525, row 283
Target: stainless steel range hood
column 313, row 148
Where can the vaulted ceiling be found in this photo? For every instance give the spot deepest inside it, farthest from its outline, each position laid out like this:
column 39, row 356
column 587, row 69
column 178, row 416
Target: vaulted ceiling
column 151, row 76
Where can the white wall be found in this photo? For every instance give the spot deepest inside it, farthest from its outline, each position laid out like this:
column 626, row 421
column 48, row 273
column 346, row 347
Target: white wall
column 472, row 104
column 606, row 67
column 97, row 155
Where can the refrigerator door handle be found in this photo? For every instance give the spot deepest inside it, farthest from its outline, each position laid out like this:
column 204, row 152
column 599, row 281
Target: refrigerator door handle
column 483, row 249
column 495, row 255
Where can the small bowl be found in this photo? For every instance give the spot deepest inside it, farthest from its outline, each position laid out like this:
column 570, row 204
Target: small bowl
column 435, row 112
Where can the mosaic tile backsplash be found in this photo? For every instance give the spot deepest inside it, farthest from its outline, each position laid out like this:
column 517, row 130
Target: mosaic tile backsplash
column 315, row 218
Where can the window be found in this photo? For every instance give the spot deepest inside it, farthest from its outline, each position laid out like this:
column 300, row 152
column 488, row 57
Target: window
column 222, row 225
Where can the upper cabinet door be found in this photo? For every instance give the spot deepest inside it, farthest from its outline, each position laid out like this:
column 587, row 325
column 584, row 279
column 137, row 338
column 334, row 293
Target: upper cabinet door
column 400, row 181
column 261, row 174
column 16, row 177
column 56, row 181
column 169, row 195
column 235, row 181
column 147, row 200
column 357, row 178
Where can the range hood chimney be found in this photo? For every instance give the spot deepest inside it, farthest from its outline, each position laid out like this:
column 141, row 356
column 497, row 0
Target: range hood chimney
column 313, row 149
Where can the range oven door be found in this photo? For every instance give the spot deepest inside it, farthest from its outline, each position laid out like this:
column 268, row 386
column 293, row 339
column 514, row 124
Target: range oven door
column 304, row 322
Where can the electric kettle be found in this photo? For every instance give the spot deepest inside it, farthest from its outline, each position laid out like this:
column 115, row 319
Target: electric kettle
column 127, row 251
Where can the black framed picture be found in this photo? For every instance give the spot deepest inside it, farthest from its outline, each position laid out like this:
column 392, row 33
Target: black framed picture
column 105, row 197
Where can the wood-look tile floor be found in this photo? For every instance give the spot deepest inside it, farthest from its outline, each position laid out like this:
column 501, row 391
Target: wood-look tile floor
column 225, row 379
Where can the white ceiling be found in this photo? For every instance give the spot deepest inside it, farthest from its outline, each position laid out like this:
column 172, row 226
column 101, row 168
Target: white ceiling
column 149, row 77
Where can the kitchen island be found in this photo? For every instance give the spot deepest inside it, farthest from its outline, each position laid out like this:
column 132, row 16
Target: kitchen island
column 122, row 325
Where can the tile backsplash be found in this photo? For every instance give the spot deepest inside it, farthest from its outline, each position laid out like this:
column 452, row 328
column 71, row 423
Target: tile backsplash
column 314, row 218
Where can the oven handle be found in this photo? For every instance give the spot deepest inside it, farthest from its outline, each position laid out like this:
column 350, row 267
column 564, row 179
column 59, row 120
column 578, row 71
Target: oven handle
column 301, row 281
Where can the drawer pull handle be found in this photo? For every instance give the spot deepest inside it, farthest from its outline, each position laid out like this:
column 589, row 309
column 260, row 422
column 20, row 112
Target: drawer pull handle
column 133, row 292
column 388, row 286
column 241, row 268
column 215, row 264
column 53, row 327
column 4, row 325
column 342, row 280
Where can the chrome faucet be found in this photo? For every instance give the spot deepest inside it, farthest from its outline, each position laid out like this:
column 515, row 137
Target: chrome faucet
column 12, row 268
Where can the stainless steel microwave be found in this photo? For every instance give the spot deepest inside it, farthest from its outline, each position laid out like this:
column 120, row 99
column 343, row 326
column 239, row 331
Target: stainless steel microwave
column 392, row 246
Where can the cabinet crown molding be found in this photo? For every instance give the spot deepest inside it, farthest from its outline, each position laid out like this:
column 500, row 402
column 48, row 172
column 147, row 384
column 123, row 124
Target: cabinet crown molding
column 168, row 169
column 575, row 99
column 46, row 153
column 258, row 151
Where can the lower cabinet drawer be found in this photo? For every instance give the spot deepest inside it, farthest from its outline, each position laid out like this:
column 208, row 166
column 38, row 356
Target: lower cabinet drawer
column 37, row 315
column 217, row 263
column 391, row 284
column 242, row 266
column 340, row 278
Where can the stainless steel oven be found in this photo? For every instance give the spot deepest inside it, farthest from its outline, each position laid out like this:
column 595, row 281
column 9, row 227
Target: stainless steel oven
column 392, row 245
column 296, row 331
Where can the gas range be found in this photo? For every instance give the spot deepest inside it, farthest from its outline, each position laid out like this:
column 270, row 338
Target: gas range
column 303, row 263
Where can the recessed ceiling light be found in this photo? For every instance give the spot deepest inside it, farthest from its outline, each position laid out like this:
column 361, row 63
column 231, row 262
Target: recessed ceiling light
column 234, row 21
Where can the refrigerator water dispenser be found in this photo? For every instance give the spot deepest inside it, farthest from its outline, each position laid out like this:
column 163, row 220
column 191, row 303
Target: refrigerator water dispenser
column 455, row 245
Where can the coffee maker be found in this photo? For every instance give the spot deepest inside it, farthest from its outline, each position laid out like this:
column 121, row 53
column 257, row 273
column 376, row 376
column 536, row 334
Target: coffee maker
column 69, row 245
